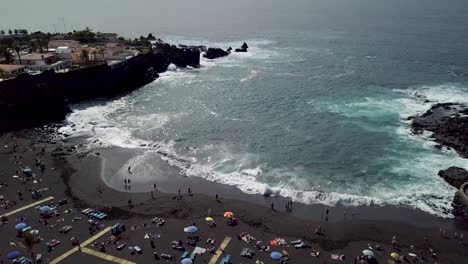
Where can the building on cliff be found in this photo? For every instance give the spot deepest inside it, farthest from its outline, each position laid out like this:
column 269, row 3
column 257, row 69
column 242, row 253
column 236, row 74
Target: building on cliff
column 42, row 62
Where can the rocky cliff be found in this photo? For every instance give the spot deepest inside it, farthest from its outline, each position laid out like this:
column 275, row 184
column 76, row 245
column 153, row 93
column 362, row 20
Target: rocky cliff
column 32, row 100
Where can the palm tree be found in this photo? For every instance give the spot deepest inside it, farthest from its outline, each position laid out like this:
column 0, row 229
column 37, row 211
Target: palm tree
column 2, row 32
column 2, row 73
column 16, row 32
column 17, row 48
column 10, row 32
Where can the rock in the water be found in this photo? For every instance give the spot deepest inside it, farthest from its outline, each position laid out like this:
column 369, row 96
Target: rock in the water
column 449, row 125
column 243, row 48
column 454, row 176
column 213, row 53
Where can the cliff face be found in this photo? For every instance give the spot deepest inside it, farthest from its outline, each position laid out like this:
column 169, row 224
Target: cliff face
column 31, row 100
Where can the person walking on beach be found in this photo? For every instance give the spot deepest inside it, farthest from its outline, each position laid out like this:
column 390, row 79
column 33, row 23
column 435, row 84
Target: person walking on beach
column 189, row 191
column 154, row 185
column 318, row 230
column 326, row 215
column 217, row 198
column 272, row 206
column 129, row 170
column 179, row 193
column 394, row 241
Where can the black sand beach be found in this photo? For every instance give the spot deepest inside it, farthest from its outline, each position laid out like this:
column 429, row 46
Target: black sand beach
column 76, row 175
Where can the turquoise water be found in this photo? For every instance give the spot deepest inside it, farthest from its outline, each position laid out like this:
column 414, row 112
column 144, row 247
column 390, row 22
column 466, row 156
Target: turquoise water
column 317, row 115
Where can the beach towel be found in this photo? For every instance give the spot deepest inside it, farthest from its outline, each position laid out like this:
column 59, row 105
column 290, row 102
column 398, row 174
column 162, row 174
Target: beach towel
column 337, row 257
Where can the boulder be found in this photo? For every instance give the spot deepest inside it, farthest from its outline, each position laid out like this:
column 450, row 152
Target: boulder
column 213, row 53
column 454, row 176
column 448, row 124
column 243, row 48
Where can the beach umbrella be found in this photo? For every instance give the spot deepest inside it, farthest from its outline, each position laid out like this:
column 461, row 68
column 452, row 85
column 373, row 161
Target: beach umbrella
column 229, row 214
column 13, row 254
column 395, row 256
column 186, row 261
column 276, row 255
column 209, row 219
column 368, row 253
column 45, row 209
column 20, row 226
column 190, row 229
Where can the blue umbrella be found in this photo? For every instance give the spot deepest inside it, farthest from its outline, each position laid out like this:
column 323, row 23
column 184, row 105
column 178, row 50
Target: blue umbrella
column 45, row 209
column 276, row 255
column 13, row 254
column 191, row 229
column 186, row 261
column 20, row 226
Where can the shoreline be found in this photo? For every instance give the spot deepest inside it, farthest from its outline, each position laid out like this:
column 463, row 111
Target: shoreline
column 169, row 180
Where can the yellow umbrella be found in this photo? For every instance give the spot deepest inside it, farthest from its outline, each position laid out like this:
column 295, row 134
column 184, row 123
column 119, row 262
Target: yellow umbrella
column 229, row 214
column 209, row 219
column 395, row 256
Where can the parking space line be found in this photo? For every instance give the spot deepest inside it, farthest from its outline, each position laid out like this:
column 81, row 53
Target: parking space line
column 84, row 244
column 106, row 256
column 28, row 206
column 220, row 250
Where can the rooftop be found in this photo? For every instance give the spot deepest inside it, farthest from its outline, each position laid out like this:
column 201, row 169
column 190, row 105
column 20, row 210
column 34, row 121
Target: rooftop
column 10, row 67
column 37, row 56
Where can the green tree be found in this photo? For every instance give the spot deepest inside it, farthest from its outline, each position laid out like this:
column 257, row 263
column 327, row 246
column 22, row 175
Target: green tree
column 150, row 37
column 23, row 31
column 2, row 32
column 5, row 52
column 10, row 32
column 16, row 32
column 33, row 46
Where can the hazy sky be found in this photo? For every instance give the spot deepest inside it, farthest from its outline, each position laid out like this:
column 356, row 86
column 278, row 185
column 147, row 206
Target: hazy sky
column 210, row 17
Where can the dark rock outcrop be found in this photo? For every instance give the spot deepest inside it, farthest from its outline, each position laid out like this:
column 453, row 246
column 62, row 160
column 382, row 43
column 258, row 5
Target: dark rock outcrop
column 243, row 48
column 213, row 53
column 454, row 176
column 449, row 124
column 457, row 177
column 460, row 209
column 34, row 100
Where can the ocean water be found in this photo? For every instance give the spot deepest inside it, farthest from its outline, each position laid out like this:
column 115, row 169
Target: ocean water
column 317, row 114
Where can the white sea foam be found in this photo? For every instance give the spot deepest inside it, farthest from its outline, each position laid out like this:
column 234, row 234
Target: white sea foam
column 252, row 75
